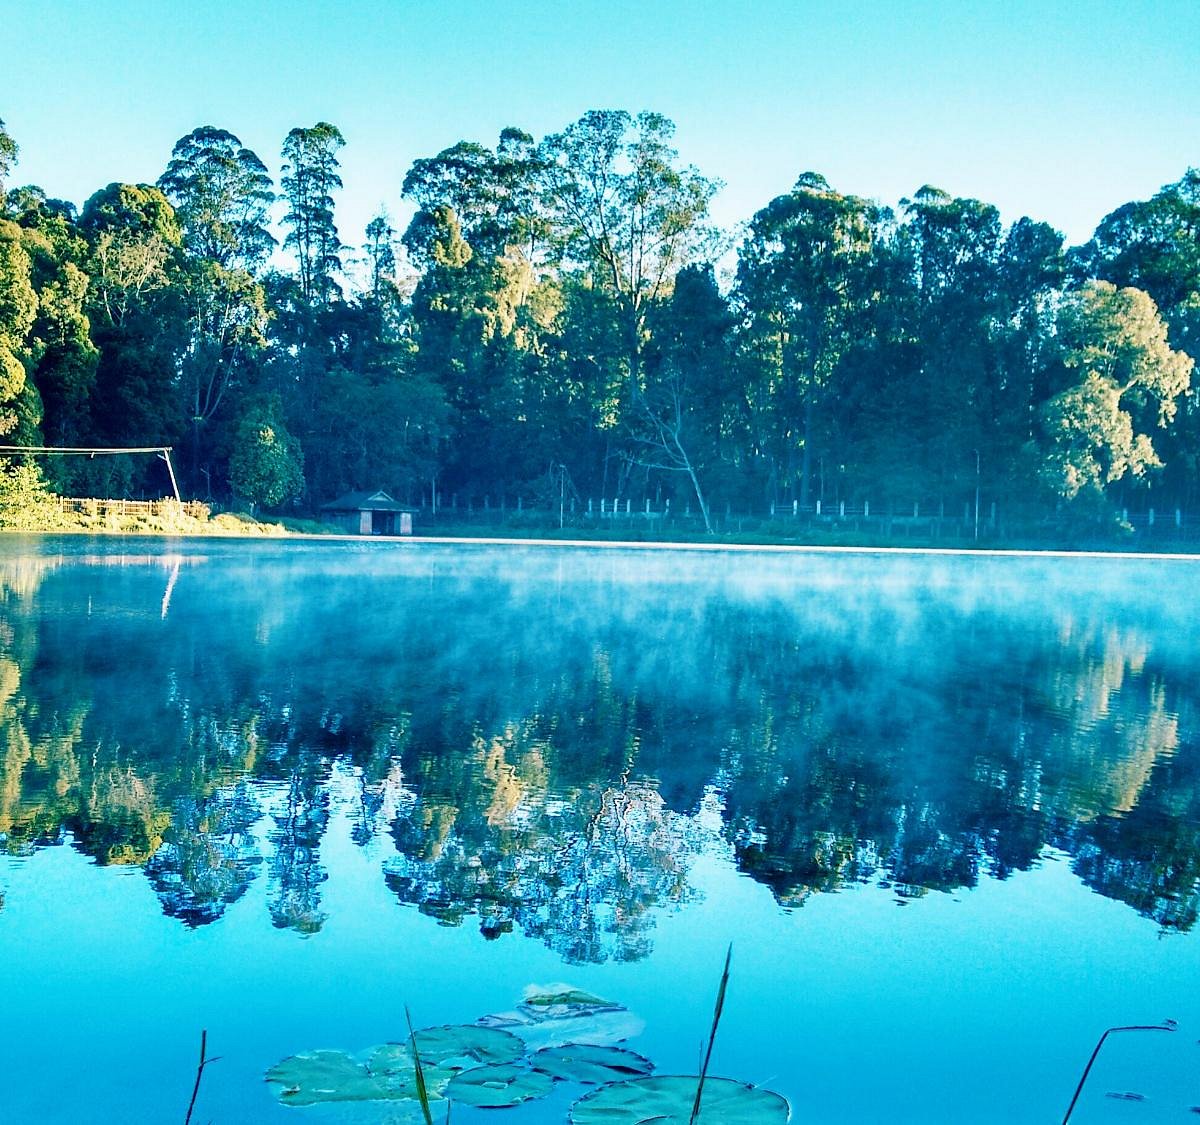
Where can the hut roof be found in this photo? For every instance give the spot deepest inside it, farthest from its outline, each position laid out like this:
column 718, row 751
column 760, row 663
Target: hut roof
column 378, row 501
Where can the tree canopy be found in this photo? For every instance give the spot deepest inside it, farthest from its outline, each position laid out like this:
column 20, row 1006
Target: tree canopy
column 560, row 315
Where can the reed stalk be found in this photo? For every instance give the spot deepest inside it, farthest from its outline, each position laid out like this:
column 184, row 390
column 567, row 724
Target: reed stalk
column 422, row 1089
column 712, row 1036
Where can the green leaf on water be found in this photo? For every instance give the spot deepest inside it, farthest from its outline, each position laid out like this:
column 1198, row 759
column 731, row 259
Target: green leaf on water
column 458, row 1046
column 591, row 1064
column 498, row 1086
column 383, row 1073
column 324, row 1076
column 552, row 1015
column 562, row 995
column 392, row 1065
column 667, row 1100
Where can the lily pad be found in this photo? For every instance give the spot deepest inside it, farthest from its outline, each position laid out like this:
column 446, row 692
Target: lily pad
column 499, row 1086
column 324, row 1076
column 462, row 1045
column 667, row 1100
column 385, row 1073
column 591, row 1064
column 562, row 996
column 552, row 1015
column 391, row 1065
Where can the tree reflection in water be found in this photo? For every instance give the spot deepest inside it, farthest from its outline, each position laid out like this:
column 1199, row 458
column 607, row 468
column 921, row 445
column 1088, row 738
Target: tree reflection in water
column 551, row 755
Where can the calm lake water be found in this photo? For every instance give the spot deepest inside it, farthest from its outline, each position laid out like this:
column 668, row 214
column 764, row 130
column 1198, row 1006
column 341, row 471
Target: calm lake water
column 946, row 809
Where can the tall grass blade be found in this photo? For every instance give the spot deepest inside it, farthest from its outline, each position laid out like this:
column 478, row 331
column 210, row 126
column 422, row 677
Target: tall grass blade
column 422, row 1089
column 712, row 1036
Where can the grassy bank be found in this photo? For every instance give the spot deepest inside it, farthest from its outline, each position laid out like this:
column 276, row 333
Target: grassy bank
column 163, row 517
column 1113, row 538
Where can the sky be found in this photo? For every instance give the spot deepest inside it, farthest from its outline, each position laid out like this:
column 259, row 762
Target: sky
column 1058, row 110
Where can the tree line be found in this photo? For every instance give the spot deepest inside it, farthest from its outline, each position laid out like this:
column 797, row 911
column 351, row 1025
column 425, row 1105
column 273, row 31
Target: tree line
column 561, row 315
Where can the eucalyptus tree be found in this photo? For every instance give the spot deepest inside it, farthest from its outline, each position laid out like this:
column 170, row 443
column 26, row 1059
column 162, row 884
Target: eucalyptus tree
column 309, row 179
column 222, row 194
column 493, row 193
column 954, row 247
column 804, row 281
column 623, row 210
column 380, row 252
column 484, row 309
column 1154, row 245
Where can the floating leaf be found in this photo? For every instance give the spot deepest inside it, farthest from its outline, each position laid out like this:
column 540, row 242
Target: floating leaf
column 457, row 1046
column 391, row 1064
column 591, row 1064
column 562, row 996
column 324, row 1076
column 498, row 1086
column 667, row 1099
column 386, row 1074
column 557, row 1014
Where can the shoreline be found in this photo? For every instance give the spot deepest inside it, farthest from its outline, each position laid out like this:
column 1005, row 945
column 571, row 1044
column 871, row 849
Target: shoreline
column 657, row 545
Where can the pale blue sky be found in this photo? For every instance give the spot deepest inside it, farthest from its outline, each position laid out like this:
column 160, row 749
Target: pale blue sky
column 1061, row 110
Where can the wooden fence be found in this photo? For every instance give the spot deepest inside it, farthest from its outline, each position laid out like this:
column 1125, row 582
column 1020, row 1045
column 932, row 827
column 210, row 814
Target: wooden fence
column 895, row 521
column 108, row 509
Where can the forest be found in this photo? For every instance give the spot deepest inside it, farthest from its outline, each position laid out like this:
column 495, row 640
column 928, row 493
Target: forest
column 562, row 317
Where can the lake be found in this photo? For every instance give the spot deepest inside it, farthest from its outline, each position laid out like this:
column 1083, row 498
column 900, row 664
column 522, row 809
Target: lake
column 946, row 809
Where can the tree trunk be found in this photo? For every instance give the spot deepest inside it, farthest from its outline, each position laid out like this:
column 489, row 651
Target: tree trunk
column 806, row 454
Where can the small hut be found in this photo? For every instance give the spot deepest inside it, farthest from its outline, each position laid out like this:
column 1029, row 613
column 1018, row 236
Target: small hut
column 370, row 513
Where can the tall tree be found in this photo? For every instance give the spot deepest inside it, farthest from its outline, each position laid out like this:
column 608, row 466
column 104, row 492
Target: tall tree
column 954, row 247
column 1154, row 245
column 309, row 179
column 380, row 251
column 804, row 276
column 494, row 194
column 623, row 210
column 222, row 195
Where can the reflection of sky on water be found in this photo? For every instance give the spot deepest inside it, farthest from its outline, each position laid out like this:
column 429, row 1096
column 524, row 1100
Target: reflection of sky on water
column 628, row 758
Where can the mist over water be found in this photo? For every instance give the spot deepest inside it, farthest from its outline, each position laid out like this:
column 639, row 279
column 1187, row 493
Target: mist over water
column 269, row 767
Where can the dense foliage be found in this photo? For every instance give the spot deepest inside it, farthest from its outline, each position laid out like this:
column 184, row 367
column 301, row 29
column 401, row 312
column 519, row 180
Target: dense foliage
column 560, row 317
